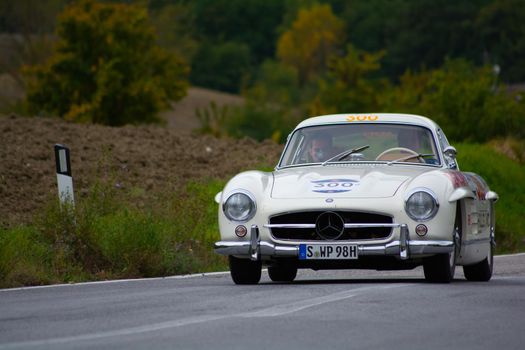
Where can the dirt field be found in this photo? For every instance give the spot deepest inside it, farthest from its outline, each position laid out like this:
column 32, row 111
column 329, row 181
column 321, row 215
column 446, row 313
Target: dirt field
column 148, row 157
column 182, row 115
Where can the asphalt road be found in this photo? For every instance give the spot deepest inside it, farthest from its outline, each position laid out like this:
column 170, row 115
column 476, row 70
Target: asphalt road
column 321, row 310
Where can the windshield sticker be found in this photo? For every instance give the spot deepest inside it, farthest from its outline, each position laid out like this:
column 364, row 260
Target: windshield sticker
column 334, row 185
column 361, row 118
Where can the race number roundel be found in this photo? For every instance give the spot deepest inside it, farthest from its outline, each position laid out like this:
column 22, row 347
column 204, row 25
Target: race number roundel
column 333, row 185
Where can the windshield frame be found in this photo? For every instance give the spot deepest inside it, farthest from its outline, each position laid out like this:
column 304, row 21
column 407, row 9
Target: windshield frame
column 432, row 131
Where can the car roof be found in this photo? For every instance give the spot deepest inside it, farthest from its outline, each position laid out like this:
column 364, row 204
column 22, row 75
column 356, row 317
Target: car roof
column 368, row 118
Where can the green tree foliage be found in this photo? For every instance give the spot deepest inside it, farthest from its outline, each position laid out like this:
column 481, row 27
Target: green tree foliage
column 502, row 28
column 235, row 36
column 415, row 34
column 348, row 87
column 29, row 16
column 464, row 99
column 277, row 83
column 221, row 66
column 314, row 36
column 175, row 25
column 249, row 22
column 107, row 67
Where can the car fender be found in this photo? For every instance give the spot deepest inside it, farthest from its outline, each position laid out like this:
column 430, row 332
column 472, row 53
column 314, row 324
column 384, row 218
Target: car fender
column 258, row 184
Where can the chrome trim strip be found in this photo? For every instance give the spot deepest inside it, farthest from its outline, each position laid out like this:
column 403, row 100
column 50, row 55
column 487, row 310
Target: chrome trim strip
column 346, row 225
column 267, row 249
column 289, row 225
column 372, row 225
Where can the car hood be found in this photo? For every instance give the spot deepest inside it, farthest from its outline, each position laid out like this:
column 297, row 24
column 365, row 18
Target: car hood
column 343, row 181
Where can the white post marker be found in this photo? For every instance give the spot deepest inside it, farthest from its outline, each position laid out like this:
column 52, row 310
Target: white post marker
column 64, row 178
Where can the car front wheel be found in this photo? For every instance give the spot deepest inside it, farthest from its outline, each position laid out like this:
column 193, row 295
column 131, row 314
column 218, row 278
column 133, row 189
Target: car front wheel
column 245, row 271
column 440, row 268
column 482, row 271
column 282, row 273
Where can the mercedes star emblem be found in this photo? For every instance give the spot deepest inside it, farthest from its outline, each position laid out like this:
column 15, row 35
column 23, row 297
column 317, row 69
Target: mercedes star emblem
column 329, row 225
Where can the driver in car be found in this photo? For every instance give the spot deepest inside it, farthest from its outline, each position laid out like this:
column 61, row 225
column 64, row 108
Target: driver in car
column 320, row 149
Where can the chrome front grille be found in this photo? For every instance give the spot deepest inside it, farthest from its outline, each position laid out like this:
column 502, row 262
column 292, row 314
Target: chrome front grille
column 357, row 226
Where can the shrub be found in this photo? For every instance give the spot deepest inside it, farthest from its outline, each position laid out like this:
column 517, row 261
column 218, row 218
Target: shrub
column 107, row 68
column 25, row 258
column 464, row 99
column 221, row 66
column 507, row 178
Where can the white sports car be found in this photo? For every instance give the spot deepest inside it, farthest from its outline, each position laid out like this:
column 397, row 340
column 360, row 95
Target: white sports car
column 380, row 191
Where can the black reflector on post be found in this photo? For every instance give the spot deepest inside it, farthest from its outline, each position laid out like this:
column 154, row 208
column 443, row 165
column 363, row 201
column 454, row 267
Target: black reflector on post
column 62, row 160
column 64, row 179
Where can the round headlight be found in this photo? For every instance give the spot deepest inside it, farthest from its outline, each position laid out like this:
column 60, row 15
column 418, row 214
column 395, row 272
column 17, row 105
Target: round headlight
column 421, row 205
column 239, row 207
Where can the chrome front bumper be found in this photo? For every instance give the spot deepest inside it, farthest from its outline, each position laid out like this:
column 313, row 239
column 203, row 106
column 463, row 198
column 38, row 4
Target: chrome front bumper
column 404, row 248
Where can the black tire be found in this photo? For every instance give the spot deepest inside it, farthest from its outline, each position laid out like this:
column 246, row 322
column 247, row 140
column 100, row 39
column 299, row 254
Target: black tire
column 482, row 271
column 245, row 271
column 282, row 273
column 440, row 268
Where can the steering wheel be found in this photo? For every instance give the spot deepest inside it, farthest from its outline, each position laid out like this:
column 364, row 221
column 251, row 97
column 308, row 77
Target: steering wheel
column 399, row 152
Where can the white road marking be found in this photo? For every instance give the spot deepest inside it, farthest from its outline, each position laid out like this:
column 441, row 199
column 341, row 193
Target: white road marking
column 280, row 310
column 273, row 311
column 115, row 333
column 205, row 274
column 508, row 255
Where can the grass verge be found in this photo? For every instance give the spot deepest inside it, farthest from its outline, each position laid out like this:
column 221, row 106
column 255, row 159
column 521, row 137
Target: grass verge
column 106, row 236
column 507, row 178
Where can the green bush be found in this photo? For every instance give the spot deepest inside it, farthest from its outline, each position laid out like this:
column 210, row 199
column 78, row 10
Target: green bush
column 107, row 68
column 25, row 258
column 507, row 178
column 221, row 66
column 106, row 236
column 464, row 99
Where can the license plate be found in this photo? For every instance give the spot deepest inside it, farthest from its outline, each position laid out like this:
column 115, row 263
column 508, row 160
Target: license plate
column 327, row 251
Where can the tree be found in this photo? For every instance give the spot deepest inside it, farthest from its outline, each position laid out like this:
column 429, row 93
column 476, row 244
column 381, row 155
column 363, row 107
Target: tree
column 175, row 25
column 249, row 22
column 464, row 99
column 349, row 87
column 107, row 67
column 415, row 34
column 315, row 35
column 235, row 36
column 502, row 28
column 221, row 66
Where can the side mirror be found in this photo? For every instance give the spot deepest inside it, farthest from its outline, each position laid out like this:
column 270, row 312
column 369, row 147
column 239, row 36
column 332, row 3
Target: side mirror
column 450, row 151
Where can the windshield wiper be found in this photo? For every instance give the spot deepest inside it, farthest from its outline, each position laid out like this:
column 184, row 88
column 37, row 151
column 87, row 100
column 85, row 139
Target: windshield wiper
column 344, row 154
column 422, row 155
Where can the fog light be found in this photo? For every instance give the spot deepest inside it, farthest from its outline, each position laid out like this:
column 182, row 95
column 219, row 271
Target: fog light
column 241, row 231
column 421, row 230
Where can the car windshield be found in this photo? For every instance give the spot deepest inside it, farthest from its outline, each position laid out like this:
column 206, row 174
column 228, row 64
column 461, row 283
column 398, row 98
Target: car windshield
column 390, row 143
